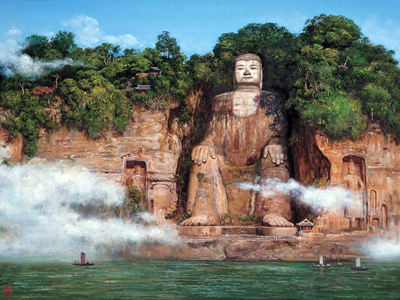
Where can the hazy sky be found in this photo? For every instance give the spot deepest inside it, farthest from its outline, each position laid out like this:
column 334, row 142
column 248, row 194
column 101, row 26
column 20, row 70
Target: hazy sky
column 195, row 24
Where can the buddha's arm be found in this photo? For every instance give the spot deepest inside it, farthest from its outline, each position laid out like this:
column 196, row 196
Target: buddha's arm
column 202, row 152
column 360, row 183
column 276, row 145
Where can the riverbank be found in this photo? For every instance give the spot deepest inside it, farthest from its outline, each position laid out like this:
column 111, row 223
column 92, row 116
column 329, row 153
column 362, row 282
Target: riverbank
column 249, row 247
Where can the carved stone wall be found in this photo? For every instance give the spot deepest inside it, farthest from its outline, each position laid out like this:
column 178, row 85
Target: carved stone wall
column 146, row 156
column 377, row 164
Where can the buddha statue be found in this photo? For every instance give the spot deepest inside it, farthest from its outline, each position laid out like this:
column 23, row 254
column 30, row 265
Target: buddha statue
column 245, row 140
column 352, row 181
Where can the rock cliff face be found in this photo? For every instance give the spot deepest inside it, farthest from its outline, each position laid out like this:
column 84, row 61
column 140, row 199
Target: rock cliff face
column 145, row 156
column 369, row 166
column 148, row 152
column 10, row 149
column 309, row 163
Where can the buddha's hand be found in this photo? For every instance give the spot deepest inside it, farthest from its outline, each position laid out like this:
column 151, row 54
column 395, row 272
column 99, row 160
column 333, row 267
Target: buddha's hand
column 201, row 153
column 276, row 153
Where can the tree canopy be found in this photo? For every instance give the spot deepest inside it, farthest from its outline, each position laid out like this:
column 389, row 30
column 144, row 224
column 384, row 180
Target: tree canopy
column 330, row 74
column 342, row 76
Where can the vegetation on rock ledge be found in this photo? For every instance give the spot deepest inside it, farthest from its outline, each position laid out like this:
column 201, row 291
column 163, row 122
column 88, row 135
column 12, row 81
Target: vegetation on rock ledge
column 331, row 75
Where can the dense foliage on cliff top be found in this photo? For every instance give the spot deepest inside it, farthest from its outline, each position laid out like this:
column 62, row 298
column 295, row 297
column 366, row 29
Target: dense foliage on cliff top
column 330, row 74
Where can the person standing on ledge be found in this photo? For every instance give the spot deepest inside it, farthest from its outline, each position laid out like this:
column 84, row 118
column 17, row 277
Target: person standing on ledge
column 245, row 136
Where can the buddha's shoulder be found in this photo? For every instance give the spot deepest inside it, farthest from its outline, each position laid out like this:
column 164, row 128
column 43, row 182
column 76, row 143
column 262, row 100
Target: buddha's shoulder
column 225, row 97
column 270, row 96
column 223, row 102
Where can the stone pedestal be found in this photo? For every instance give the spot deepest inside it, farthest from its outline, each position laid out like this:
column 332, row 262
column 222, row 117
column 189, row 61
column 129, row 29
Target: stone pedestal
column 200, row 231
column 210, row 231
column 276, row 231
column 239, row 230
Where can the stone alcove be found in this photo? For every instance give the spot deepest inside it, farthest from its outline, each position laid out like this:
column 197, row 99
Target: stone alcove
column 135, row 174
column 353, row 176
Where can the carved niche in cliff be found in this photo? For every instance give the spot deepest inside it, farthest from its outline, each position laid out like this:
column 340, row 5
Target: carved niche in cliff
column 377, row 210
column 353, row 177
column 135, row 174
column 162, row 195
column 159, row 188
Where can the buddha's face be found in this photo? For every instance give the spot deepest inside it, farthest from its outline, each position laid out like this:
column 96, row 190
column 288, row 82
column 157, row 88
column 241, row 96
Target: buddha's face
column 248, row 73
column 352, row 168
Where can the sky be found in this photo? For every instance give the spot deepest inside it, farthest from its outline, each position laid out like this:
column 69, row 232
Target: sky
column 195, row 24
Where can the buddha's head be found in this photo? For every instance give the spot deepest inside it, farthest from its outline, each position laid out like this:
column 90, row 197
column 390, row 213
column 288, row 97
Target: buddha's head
column 248, row 71
column 352, row 167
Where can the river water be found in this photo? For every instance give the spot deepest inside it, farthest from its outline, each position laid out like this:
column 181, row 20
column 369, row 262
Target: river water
column 199, row 280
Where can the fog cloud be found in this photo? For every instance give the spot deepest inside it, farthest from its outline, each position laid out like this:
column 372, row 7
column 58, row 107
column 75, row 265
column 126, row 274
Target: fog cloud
column 12, row 61
column 39, row 215
column 330, row 198
column 383, row 248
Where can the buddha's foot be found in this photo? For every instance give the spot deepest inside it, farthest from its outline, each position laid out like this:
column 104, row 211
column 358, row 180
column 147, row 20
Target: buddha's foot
column 276, row 221
column 201, row 220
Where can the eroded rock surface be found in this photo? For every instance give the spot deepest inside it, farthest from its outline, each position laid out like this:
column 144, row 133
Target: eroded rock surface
column 145, row 156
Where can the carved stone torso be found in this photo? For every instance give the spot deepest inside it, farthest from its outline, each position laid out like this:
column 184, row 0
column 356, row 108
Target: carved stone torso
column 244, row 104
column 243, row 123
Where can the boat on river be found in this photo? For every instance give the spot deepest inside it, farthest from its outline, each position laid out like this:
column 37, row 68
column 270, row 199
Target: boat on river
column 83, row 262
column 358, row 266
column 321, row 263
column 338, row 263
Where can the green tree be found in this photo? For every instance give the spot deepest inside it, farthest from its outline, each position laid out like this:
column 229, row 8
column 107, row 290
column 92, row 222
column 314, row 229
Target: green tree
column 89, row 57
column 200, row 68
column 93, row 104
column 332, row 31
column 36, row 46
column 63, row 42
column 342, row 76
column 124, row 68
column 167, row 45
column 26, row 116
column 107, row 52
column 129, row 51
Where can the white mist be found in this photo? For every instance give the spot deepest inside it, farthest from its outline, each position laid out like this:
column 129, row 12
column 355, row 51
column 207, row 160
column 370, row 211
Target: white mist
column 330, row 198
column 38, row 216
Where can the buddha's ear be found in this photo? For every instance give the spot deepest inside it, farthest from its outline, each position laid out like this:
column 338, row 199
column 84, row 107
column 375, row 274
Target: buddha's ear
column 234, row 80
column 261, row 78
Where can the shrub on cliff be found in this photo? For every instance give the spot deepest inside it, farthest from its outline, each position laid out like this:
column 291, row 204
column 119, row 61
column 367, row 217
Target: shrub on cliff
column 93, row 104
column 26, row 114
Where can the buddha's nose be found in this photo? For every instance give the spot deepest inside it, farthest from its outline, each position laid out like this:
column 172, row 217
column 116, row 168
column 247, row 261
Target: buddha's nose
column 246, row 71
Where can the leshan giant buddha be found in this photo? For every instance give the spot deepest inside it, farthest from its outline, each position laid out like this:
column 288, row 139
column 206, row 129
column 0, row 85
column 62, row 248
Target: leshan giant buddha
column 245, row 141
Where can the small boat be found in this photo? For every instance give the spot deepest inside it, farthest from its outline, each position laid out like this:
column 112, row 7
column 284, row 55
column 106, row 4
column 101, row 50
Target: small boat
column 321, row 263
column 358, row 266
column 338, row 263
column 83, row 262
